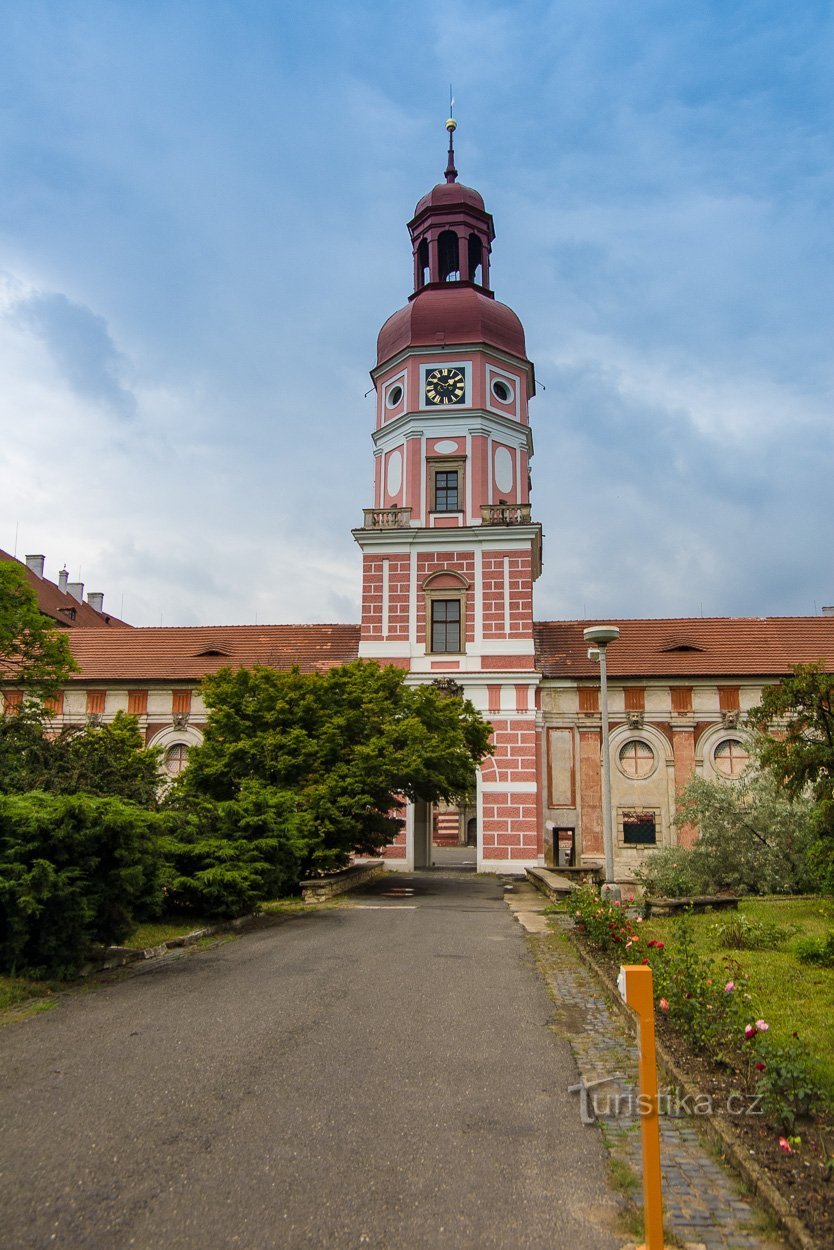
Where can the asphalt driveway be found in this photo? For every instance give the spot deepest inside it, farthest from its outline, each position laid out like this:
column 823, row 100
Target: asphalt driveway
column 382, row 1074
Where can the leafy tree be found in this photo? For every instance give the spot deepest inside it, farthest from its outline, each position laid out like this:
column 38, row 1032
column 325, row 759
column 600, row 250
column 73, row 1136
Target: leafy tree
column 108, row 759
column 795, row 741
column 754, row 835
column 34, row 654
column 348, row 745
column 795, row 724
column 224, row 857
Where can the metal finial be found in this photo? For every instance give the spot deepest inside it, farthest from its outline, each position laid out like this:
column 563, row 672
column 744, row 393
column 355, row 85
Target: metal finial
column 451, row 126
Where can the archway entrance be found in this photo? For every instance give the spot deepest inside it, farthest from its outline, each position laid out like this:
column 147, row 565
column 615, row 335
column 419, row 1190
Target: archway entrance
column 445, row 836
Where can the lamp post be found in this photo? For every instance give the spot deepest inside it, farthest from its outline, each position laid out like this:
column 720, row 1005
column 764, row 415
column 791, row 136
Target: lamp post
column 600, row 636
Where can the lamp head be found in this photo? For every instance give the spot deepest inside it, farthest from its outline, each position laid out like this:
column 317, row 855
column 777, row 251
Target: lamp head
column 601, row 635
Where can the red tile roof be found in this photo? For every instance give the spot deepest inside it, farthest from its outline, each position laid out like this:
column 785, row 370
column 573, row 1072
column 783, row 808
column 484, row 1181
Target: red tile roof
column 721, row 647
column 187, row 653
column 65, row 608
column 689, row 647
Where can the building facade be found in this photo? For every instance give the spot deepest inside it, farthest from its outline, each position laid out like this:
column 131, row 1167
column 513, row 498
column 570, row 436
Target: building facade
column 450, row 552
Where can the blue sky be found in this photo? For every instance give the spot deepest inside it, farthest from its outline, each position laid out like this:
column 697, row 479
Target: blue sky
column 203, row 227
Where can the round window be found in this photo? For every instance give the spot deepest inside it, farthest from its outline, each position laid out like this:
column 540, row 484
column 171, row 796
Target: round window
column 176, row 758
column 731, row 757
column 502, row 391
column 636, row 758
column 394, row 396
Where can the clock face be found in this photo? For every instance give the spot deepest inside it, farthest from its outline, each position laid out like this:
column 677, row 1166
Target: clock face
column 446, row 386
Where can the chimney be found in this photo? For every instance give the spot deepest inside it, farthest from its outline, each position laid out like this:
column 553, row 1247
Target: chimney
column 62, row 580
column 76, row 589
column 828, row 609
column 35, row 565
column 96, row 600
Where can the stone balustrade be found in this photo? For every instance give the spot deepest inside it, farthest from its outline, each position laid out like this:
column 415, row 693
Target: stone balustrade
column 386, row 518
column 505, row 514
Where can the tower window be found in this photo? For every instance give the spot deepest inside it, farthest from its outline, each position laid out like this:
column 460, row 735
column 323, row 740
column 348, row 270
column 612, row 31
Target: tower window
column 475, row 249
column 445, row 625
column 423, row 262
column 449, row 255
column 446, row 495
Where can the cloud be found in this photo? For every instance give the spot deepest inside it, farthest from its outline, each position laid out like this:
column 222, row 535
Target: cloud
column 79, row 342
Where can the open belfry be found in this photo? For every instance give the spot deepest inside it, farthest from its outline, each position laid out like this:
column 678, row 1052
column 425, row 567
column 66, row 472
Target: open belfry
column 450, row 554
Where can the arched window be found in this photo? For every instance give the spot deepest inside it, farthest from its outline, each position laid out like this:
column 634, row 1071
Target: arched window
column 176, row 759
column 731, row 757
column 449, row 256
column 423, row 262
column 475, row 259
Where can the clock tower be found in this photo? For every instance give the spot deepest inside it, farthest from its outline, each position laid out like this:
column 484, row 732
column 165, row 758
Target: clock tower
column 450, row 552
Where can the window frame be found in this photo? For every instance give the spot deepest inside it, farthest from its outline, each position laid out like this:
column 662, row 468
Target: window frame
column 629, row 815
column 727, row 740
column 445, row 596
column 447, row 464
column 632, row 740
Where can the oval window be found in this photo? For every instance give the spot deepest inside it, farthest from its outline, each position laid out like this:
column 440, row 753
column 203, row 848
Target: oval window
column 394, row 396
column 502, row 391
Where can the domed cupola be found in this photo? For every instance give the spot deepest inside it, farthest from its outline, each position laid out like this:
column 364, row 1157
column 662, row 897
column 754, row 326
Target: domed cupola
column 451, row 236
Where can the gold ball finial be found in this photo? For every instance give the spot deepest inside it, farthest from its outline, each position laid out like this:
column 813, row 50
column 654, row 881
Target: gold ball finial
column 451, row 125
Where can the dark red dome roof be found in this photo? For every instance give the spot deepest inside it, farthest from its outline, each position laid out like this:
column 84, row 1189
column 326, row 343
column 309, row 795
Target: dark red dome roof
column 453, row 314
column 448, row 194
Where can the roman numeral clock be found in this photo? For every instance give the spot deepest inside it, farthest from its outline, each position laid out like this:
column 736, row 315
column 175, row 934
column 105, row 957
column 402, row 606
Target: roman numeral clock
column 445, row 386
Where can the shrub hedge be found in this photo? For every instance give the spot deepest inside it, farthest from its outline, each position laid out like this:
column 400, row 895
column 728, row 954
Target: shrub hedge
column 74, row 870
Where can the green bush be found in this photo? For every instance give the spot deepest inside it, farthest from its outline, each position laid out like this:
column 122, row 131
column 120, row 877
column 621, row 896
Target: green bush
column 738, row 933
column 788, row 1088
column 224, row 858
column 74, row 870
column 671, row 872
column 819, row 951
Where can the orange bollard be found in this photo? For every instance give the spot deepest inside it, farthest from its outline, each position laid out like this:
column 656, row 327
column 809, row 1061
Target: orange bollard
column 635, row 986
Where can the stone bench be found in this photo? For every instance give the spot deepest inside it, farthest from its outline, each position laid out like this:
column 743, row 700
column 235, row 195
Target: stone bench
column 698, row 902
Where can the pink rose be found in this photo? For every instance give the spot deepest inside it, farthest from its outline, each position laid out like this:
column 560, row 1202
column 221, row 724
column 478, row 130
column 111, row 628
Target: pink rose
column 762, row 1026
column 750, row 1031
column 728, row 988
column 663, row 1005
column 785, row 1146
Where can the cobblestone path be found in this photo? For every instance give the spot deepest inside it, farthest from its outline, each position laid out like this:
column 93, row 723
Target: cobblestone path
column 704, row 1203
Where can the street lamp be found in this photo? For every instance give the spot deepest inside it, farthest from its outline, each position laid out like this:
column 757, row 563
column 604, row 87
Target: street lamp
column 600, row 636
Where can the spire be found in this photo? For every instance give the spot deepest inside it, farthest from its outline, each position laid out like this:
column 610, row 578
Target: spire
column 451, row 126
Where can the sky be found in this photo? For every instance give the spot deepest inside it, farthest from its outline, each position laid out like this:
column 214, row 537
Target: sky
column 203, row 226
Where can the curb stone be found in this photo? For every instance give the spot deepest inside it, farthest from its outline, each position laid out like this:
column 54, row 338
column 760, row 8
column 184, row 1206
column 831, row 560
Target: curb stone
column 754, row 1177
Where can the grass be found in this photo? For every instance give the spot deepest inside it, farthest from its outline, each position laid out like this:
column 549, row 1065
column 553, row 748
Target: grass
column 157, row 932
column 16, row 990
column 789, row 995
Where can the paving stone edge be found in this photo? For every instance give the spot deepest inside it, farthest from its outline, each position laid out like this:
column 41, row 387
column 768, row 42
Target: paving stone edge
column 798, row 1233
